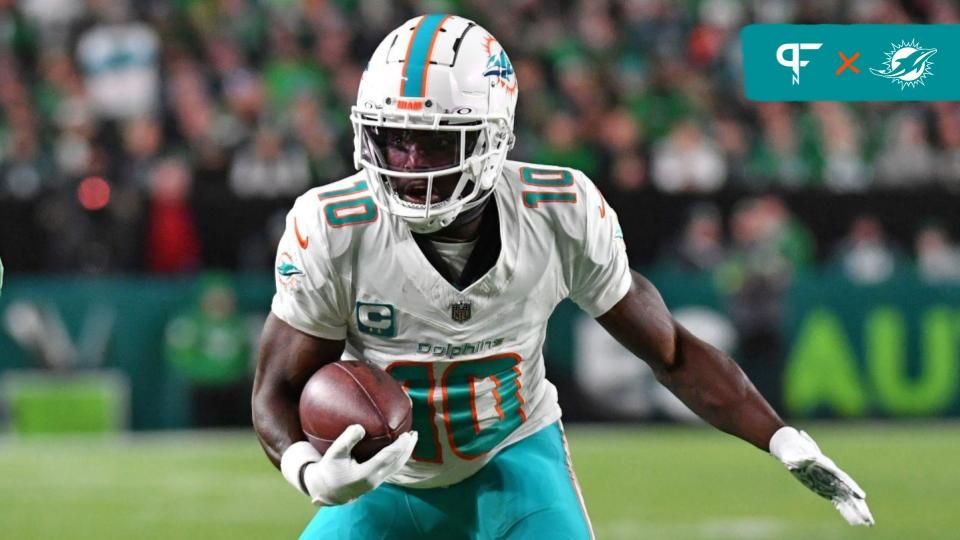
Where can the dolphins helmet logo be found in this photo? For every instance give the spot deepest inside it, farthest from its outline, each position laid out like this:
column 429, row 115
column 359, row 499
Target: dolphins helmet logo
column 499, row 66
column 907, row 64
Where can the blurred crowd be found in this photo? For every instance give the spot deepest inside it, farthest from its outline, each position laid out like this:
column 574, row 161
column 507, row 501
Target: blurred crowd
column 140, row 132
column 754, row 256
column 763, row 240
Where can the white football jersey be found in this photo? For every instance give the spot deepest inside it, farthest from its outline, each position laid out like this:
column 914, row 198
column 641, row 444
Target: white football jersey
column 470, row 359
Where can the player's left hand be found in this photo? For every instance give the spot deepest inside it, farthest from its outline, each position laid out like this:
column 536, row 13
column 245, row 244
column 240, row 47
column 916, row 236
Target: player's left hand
column 820, row 474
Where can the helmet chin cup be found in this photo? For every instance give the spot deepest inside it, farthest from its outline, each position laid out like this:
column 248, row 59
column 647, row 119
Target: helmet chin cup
column 422, row 228
column 431, row 225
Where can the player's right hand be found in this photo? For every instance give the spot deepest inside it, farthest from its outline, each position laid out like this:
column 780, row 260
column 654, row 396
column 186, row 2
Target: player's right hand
column 336, row 478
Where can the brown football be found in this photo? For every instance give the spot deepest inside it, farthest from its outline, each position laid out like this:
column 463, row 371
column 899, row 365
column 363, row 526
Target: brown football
column 353, row 392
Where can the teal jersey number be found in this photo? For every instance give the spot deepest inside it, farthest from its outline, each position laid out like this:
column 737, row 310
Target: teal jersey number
column 467, row 438
column 468, row 435
column 417, row 380
column 532, row 199
column 547, row 178
column 350, row 210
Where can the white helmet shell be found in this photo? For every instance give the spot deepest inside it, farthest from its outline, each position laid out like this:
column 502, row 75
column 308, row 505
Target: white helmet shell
column 441, row 73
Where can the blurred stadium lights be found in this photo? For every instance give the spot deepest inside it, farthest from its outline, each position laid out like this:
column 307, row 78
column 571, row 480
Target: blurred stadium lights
column 93, row 193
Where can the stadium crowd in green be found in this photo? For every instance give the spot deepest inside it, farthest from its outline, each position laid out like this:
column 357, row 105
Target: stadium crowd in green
column 185, row 106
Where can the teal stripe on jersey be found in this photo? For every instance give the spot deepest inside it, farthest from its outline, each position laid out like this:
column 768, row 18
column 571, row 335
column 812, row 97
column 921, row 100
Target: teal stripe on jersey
column 418, row 58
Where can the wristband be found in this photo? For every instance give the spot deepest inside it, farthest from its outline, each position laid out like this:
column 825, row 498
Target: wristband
column 782, row 439
column 793, row 447
column 295, row 460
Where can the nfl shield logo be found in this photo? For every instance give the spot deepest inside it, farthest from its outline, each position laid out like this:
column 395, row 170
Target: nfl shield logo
column 461, row 311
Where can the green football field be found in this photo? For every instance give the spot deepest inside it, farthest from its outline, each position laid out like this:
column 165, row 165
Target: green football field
column 639, row 482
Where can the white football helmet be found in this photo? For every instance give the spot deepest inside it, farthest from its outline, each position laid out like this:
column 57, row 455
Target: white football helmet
column 446, row 83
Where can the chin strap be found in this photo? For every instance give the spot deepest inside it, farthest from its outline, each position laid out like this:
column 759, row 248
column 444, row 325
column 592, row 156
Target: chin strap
column 471, row 215
column 463, row 218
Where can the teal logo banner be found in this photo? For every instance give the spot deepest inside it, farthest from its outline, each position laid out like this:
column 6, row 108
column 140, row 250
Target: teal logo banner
column 856, row 62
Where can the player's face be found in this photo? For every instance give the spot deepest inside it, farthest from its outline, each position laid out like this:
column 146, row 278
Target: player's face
column 415, row 150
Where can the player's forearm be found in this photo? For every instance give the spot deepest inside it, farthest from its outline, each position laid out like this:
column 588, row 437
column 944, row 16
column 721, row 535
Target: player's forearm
column 714, row 387
column 706, row 380
column 274, row 404
column 288, row 358
column 276, row 419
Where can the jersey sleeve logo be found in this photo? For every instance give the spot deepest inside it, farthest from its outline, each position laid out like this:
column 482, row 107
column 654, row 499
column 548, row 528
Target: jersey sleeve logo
column 302, row 240
column 288, row 274
column 287, row 270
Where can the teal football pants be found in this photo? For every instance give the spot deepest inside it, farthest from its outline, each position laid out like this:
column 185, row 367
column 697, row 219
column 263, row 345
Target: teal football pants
column 528, row 491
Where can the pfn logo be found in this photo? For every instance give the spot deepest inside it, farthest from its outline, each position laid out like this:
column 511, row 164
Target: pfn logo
column 794, row 62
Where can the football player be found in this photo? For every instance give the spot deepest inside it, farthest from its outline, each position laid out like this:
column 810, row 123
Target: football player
column 441, row 261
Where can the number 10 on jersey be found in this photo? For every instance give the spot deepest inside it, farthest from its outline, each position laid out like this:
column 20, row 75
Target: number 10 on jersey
column 479, row 400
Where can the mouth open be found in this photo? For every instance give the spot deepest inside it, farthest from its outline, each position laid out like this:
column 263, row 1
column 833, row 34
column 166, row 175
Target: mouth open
column 416, row 192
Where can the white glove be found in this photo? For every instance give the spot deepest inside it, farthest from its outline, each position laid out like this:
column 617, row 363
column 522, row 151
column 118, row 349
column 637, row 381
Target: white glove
column 335, row 477
column 820, row 474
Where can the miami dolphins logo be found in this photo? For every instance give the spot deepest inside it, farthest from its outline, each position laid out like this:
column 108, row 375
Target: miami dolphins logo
column 288, row 270
column 288, row 274
column 498, row 65
column 907, row 64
